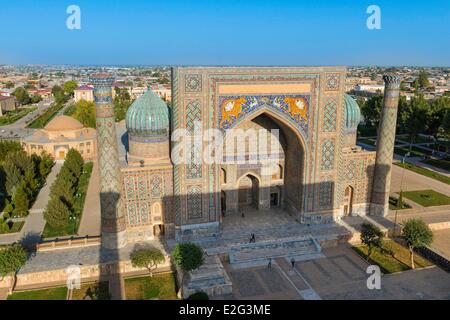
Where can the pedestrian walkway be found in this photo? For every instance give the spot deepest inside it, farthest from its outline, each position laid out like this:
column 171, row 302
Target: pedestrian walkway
column 91, row 218
column 295, row 278
column 34, row 223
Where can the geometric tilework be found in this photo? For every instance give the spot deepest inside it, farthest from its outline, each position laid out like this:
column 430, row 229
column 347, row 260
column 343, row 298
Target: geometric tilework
column 193, row 117
column 156, row 186
column 194, row 203
column 193, row 83
column 327, row 155
column 194, row 168
column 332, row 81
column 329, row 116
column 326, row 192
column 350, row 170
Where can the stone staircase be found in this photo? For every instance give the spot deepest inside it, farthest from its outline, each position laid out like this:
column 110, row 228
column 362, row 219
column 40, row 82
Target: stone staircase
column 211, row 278
column 254, row 254
column 220, row 242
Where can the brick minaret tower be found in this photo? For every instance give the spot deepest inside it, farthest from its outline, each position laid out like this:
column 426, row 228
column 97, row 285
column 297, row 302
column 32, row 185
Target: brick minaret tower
column 385, row 146
column 113, row 219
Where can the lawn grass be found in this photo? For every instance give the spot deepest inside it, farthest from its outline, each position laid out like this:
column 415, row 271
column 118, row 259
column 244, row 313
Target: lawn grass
column 94, row 290
column 45, row 118
column 72, row 227
column 400, row 261
column 158, row 287
column 425, row 172
column 14, row 115
column 427, row 198
column 441, row 164
column 59, row 293
column 14, row 227
column 404, row 150
column 393, row 204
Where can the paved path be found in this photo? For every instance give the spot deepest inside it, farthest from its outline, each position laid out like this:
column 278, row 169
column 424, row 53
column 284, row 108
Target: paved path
column 414, row 181
column 34, row 223
column 91, row 219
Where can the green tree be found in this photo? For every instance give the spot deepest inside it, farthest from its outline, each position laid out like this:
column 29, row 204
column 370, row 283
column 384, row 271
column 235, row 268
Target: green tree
column 415, row 117
column 20, row 201
column 422, row 82
column 147, row 258
column 58, row 94
column 16, row 166
column 416, row 234
column 74, row 162
column 371, row 110
column 122, row 102
column 439, row 107
column 371, row 236
column 188, row 256
column 45, row 165
column 8, row 210
column 85, row 113
column 35, row 98
column 9, row 85
column 11, row 260
column 70, row 86
column 22, row 96
column 57, row 213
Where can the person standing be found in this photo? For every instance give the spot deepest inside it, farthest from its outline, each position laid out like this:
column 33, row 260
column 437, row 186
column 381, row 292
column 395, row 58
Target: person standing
column 293, row 263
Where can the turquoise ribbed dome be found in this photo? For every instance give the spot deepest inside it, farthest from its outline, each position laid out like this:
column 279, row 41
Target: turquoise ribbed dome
column 148, row 116
column 352, row 114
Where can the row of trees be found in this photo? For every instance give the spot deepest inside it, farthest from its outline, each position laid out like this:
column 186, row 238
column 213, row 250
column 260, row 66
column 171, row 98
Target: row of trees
column 21, row 177
column 415, row 116
column 63, row 192
column 415, row 232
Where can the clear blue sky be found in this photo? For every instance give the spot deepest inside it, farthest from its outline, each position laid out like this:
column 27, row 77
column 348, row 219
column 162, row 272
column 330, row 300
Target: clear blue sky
column 217, row 32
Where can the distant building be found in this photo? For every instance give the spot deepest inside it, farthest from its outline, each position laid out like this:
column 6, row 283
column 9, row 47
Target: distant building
column 7, row 104
column 84, row 92
column 163, row 91
column 59, row 136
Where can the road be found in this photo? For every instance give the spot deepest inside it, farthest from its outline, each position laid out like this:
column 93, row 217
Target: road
column 18, row 130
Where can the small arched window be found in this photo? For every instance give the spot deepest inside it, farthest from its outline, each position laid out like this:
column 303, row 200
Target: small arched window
column 223, row 176
column 156, row 209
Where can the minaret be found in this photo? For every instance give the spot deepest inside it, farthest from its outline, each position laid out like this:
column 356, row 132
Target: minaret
column 385, row 147
column 113, row 218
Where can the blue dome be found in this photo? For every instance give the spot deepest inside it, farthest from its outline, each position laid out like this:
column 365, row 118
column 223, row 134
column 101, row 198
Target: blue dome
column 352, row 114
column 148, row 116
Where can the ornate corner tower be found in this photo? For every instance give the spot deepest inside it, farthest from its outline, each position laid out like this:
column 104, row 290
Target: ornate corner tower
column 385, row 146
column 113, row 219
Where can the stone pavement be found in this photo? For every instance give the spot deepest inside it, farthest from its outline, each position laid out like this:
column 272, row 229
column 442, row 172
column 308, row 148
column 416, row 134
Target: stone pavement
column 340, row 275
column 91, row 219
column 34, row 223
column 413, row 181
column 441, row 241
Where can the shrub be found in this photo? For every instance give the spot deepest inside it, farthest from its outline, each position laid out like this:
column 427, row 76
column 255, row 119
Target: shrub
column 188, row 256
column 371, row 236
column 416, row 234
column 198, row 296
column 147, row 258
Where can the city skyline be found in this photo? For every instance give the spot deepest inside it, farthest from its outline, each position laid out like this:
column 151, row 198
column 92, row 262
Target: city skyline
column 251, row 33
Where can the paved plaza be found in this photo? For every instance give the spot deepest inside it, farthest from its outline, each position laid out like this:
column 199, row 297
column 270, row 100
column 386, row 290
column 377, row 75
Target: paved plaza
column 340, row 275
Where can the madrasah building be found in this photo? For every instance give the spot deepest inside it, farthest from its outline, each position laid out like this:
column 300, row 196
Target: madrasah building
column 312, row 170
